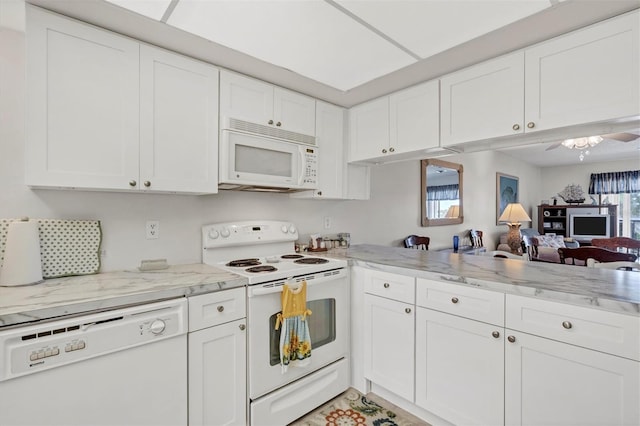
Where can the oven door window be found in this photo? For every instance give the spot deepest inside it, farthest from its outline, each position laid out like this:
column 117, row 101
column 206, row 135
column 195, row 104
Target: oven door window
column 322, row 327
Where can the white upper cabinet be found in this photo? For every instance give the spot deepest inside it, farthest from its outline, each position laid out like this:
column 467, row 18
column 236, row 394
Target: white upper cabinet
column 395, row 126
column 105, row 112
column 257, row 102
column 369, row 129
column 178, row 123
column 82, row 105
column 483, row 101
column 414, row 118
column 585, row 76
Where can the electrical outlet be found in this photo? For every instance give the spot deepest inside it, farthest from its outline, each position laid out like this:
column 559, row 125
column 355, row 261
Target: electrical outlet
column 327, row 222
column 153, row 229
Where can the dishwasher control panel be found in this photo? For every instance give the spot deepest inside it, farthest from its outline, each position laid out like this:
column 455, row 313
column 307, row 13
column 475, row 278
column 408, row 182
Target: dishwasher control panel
column 37, row 347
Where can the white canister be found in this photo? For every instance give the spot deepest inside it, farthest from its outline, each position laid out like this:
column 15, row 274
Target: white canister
column 21, row 263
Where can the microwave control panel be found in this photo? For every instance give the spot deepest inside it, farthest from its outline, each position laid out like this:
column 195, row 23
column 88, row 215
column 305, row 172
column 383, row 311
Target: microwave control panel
column 310, row 178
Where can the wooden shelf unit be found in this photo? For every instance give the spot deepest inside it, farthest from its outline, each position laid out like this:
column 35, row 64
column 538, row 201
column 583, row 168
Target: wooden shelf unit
column 557, row 220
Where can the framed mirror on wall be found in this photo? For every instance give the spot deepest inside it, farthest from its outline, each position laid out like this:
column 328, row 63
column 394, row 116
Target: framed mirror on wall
column 441, row 192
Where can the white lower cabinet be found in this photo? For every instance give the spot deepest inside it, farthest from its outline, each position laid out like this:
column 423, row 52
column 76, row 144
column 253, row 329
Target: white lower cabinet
column 459, row 368
column 217, row 345
column 389, row 344
column 554, row 383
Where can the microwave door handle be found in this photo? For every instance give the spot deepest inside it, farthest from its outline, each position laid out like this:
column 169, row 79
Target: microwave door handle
column 302, row 167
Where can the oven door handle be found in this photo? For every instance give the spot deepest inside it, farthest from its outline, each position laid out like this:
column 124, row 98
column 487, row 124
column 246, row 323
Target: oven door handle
column 277, row 288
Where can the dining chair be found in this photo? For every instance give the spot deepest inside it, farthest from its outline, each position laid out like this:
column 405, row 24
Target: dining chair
column 476, row 238
column 505, row 255
column 628, row 245
column 599, row 254
column 417, row 242
column 621, row 265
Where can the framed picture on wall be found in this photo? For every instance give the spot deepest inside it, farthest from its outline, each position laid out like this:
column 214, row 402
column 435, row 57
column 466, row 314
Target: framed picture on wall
column 506, row 192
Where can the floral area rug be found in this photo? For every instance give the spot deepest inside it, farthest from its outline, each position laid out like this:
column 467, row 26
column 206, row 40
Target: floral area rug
column 354, row 409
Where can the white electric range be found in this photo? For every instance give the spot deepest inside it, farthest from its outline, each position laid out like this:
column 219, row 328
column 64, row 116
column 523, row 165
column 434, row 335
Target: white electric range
column 263, row 251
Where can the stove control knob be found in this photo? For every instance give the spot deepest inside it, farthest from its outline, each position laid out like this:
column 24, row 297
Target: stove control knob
column 292, row 229
column 213, row 234
column 225, row 232
column 157, row 326
column 284, row 228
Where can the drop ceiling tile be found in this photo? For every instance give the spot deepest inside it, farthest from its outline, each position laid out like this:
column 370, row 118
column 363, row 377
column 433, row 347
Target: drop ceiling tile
column 152, row 9
column 309, row 37
column 427, row 27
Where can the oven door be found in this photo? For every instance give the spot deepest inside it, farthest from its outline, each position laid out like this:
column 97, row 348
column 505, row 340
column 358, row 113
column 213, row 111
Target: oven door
column 328, row 300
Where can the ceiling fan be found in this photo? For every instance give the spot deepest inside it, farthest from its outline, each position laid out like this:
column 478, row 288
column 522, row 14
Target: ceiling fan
column 584, row 143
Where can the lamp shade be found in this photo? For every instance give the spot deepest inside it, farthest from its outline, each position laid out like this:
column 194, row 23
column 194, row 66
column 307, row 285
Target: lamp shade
column 514, row 213
column 454, row 211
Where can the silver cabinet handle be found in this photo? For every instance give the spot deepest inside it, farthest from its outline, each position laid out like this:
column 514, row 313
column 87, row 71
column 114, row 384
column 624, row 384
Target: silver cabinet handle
column 132, row 182
column 319, row 192
column 384, row 151
column 278, row 124
column 147, row 183
column 496, row 334
column 454, row 300
column 408, row 310
column 392, row 149
column 567, row 324
column 511, row 339
column 270, row 122
column 385, row 285
column 516, row 127
column 220, row 308
column 531, row 124
column 242, row 326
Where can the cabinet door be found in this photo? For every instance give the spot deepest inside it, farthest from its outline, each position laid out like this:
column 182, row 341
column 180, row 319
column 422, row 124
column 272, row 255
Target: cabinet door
column 294, row 112
column 548, row 382
column 82, row 105
column 389, row 345
column 459, row 368
column 483, row 101
column 179, row 123
column 245, row 98
column 586, row 76
column 217, row 375
column 414, row 122
column 369, row 130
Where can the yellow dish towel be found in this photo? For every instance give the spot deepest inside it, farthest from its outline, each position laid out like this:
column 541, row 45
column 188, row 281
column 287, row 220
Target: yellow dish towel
column 295, row 342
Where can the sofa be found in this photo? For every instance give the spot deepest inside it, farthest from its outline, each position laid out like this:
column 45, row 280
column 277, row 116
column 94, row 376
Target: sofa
column 544, row 248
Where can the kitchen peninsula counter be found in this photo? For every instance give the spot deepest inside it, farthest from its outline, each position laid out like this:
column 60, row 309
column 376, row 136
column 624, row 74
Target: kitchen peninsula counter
column 86, row 293
column 617, row 291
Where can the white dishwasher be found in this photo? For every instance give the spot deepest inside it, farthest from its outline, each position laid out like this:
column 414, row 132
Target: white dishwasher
column 121, row 367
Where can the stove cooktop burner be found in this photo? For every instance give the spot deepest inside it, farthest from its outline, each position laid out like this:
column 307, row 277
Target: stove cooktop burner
column 291, row 256
column 242, row 263
column 311, row 261
column 262, row 268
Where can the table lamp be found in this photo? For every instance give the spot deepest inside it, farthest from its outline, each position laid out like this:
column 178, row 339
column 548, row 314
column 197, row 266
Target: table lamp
column 453, row 212
column 513, row 214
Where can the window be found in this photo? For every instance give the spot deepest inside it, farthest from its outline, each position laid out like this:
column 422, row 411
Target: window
column 623, row 189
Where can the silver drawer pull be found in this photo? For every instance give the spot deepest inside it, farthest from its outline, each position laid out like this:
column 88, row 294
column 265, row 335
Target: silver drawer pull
column 407, row 310
column 454, row 300
column 511, row 339
column 220, row 308
column 385, row 285
column 242, row 327
column 496, row 334
column 567, row 324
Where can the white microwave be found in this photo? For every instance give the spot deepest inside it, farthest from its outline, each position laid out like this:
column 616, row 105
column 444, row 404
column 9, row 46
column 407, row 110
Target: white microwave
column 256, row 162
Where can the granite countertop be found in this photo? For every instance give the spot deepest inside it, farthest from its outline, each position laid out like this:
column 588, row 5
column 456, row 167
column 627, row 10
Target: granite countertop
column 617, row 291
column 86, row 293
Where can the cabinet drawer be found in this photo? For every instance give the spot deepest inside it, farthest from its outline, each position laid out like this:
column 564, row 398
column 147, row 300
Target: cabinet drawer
column 609, row 332
column 392, row 286
column 477, row 304
column 216, row 308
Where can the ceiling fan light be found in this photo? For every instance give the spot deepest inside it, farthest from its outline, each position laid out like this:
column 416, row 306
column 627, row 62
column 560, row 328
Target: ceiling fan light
column 582, row 143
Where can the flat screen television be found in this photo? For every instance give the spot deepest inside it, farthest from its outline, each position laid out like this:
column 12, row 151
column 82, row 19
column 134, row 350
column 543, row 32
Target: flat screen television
column 588, row 226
